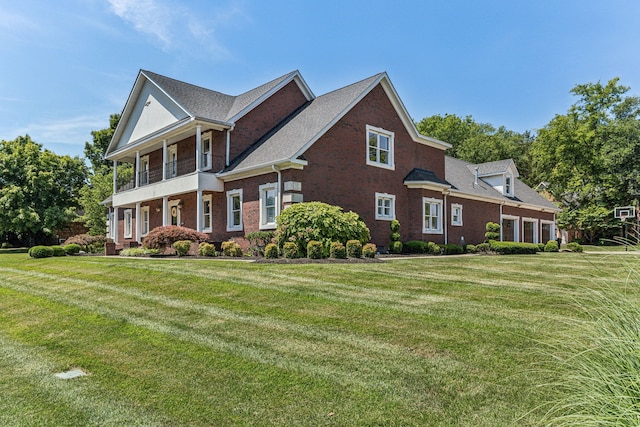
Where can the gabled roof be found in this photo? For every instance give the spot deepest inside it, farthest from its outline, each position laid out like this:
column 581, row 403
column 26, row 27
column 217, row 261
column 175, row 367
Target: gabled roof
column 298, row 133
column 418, row 175
column 496, row 168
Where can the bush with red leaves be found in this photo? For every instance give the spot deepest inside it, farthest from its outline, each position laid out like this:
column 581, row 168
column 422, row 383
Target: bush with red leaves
column 163, row 237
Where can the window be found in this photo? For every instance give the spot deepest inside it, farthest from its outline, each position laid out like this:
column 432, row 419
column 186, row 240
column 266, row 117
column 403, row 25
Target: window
column 205, row 153
column 548, row 231
column 144, row 220
column 172, row 161
column 144, row 170
column 385, row 206
column 128, row 224
column 380, row 147
column 234, row 210
column 508, row 187
column 207, row 226
column 268, row 205
column 432, row 209
column 456, row 214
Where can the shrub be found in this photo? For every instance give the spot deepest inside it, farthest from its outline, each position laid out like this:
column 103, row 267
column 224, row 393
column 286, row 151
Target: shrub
column 87, row 242
column 483, row 247
column 415, row 247
column 314, row 249
column 369, row 250
column 354, row 249
column 551, row 246
column 139, row 252
column 541, row 247
column 574, row 247
column 394, row 225
column 258, row 240
column 182, row 247
column 395, row 246
column 290, row 250
column 452, row 249
column 493, row 231
column 206, row 249
column 303, row 222
column 58, row 250
column 471, row 249
column 231, row 248
column 6, row 245
column 271, row 250
column 433, row 249
column 513, row 248
column 72, row 249
column 40, row 252
column 163, row 237
column 338, row 250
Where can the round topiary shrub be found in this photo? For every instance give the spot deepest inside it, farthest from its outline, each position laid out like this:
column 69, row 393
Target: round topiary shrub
column 40, row 252
column 354, row 249
column 290, row 250
column 551, row 246
column 337, row 250
column 493, row 231
column 58, row 250
column 314, row 249
column 182, row 247
column 369, row 250
column 271, row 251
column 72, row 249
column 395, row 247
column 206, row 249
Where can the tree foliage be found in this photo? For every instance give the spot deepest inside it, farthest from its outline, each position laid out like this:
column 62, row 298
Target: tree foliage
column 95, row 151
column 38, row 189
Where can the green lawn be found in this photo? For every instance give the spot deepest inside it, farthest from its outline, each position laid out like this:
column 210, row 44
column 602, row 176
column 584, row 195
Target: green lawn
column 436, row 341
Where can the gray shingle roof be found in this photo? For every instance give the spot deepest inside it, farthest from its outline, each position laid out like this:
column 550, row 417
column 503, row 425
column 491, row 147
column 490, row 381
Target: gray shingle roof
column 495, row 168
column 423, row 175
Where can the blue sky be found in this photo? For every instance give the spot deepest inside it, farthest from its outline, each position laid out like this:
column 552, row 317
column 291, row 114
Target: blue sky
column 67, row 65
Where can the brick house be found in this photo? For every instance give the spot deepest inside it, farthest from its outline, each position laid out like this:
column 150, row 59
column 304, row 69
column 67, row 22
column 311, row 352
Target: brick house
column 227, row 165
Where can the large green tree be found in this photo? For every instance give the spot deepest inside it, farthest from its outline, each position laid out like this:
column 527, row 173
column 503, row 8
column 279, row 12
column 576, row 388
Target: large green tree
column 479, row 142
column 38, row 190
column 589, row 156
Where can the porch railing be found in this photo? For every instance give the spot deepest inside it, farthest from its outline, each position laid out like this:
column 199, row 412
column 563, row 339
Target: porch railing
column 174, row 169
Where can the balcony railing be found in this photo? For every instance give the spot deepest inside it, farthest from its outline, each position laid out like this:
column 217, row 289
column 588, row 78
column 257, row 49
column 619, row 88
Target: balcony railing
column 173, row 169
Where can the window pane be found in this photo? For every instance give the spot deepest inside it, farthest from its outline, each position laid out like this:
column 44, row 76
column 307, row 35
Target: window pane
column 236, row 218
column 384, row 157
column 373, row 139
column 236, row 202
column 384, row 142
column 373, row 154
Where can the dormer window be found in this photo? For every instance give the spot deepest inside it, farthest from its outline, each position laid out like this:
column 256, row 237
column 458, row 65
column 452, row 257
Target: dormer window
column 508, row 185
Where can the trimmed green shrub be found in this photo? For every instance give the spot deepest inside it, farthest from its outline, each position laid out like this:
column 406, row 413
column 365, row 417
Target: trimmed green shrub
column 271, row 251
column 452, row 249
column 40, row 252
column 513, row 248
column 395, row 237
column 133, row 252
column 72, row 249
column 493, row 231
column 290, row 250
column 58, row 250
column 338, row 250
column 231, row 248
column 394, row 225
column 182, row 247
column 483, row 247
column 303, row 222
column 433, row 248
column 574, row 247
column 354, row 249
column 471, row 249
column 206, row 249
column 551, row 246
column 163, row 237
column 416, row 247
column 87, row 242
column 314, row 249
column 369, row 250
column 395, row 247
column 541, row 247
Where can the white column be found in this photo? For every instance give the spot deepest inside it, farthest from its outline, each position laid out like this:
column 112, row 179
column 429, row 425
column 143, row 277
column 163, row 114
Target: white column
column 137, row 172
column 115, row 176
column 198, row 147
column 165, row 211
column 115, row 224
column 164, row 159
column 138, row 223
column 199, row 211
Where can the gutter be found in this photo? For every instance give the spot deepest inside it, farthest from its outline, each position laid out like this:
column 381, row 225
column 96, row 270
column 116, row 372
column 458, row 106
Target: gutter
column 279, row 203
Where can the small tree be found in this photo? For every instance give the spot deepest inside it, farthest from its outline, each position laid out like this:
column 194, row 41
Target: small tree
column 493, row 231
column 395, row 247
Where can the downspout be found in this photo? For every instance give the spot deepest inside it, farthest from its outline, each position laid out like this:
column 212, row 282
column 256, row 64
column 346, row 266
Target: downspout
column 279, row 195
column 228, row 149
column 501, row 205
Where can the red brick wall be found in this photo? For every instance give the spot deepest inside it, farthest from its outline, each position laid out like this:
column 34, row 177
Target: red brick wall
column 475, row 215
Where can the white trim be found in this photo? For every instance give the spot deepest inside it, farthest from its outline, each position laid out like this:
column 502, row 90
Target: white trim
column 508, row 185
column 533, row 221
column 392, row 206
column 207, row 198
column 128, row 224
column 552, row 230
column 174, row 204
column 390, row 136
column 437, row 202
column 206, row 155
column 143, row 210
column 516, row 227
column 230, row 195
column 144, row 161
column 263, row 189
column 454, row 207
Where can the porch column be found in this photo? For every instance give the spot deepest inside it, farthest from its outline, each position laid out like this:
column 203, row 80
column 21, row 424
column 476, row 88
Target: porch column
column 137, row 172
column 199, row 211
column 164, row 160
column 138, row 223
column 115, row 224
column 198, row 146
column 115, row 176
column 165, row 211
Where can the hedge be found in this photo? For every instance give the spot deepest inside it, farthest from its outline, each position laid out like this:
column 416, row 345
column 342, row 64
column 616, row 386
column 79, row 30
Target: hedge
column 512, row 248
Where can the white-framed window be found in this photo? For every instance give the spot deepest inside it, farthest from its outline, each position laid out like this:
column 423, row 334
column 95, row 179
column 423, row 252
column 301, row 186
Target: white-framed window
column 548, row 230
column 510, row 228
column 205, row 153
column 144, row 220
column 530, row 230
column 207, row 224
column 508, row 185
column 234, row 210
column 172, row 161
column 432, row 214
column 456, row 214
column 144, row 170
column 128, row 223
column 268, row 205
column 380, row 144
column 385, row 206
